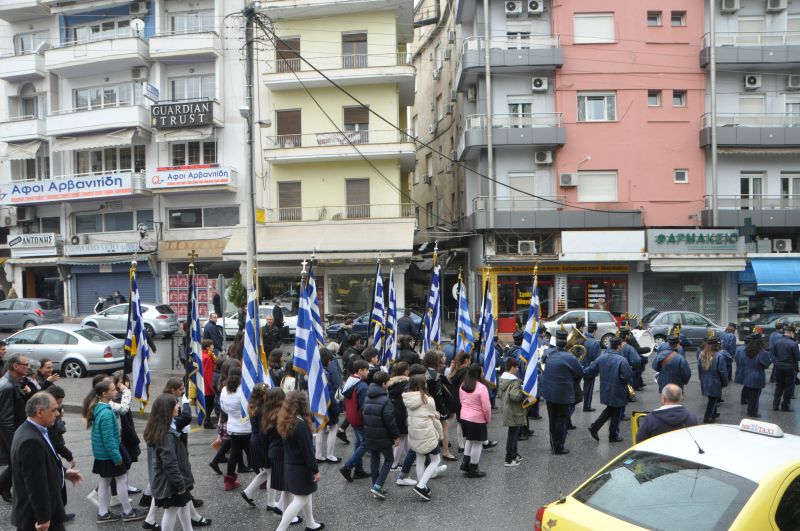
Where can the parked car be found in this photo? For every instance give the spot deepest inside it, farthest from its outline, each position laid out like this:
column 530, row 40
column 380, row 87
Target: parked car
column 158, row 319
column 23, row 313
column 232, row 320
column 768, row 324
column 75, row 350
column 606, row 323
column 693, row 325
column 337, row 332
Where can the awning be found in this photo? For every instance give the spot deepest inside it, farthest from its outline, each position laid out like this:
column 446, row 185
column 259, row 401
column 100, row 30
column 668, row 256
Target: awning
column 186, row 134
column 689, row 265
column 45, row 260
column 123, row 137
column 26, row 150
column 777, row 274
column 100, row 260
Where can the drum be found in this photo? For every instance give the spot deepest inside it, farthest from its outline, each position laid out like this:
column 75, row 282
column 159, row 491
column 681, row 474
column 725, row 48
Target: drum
column 645, row 340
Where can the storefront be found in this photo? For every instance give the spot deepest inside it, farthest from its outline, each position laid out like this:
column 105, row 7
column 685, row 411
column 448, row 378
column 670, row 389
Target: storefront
column 33, row 266
column 769, row 284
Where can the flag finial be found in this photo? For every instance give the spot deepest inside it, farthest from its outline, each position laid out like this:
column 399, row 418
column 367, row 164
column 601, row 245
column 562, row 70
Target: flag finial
column 304, row 263
column 192, row 256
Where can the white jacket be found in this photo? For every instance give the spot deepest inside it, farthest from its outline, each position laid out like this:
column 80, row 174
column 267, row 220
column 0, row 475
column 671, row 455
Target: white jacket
column 231, row 403
column 424, row 428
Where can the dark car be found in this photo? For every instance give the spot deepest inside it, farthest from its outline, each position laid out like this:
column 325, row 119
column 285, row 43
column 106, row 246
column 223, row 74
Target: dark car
column 693, row 325
column 768, row 324
column 336, row 331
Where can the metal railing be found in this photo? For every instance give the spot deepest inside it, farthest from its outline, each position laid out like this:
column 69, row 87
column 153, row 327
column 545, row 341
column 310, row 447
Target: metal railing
column 97, row 174
column 344, row 138
column 519, row 204
column 125, row 33
column 340, row 212
column 102, row 106
column 755, row 202
column 188, row 31
column 548, row 119
column 754, row 120
column 339, row 61
column 522, row 42
column 746, row 38
column 23, row 118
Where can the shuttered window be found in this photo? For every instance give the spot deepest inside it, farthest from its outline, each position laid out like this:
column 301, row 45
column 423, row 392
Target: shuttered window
column 597, row 187
column 287, row 54
column 357, row 198
column 594, row 27
column 289, row 201
column 289, row 128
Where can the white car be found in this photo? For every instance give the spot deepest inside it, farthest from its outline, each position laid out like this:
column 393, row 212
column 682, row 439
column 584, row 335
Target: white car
column 606, row 324
column 232, row 320
column 158, row 319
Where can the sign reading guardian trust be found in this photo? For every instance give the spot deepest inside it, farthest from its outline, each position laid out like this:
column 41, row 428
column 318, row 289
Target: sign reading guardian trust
column 189, row 114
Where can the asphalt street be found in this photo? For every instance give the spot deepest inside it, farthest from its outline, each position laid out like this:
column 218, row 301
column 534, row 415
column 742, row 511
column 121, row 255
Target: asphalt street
column 505, row 498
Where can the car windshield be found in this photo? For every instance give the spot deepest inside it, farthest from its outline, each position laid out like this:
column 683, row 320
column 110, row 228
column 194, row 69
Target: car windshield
column 662, row 492
column 48, row 305
column 163, row 308
column 555, row 316
column 94, row 335
column 768, row 319
column 650, row 316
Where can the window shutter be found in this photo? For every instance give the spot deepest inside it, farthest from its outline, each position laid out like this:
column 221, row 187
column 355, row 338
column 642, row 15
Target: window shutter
column 357, row 191
column 288, row 122
column 581, row 108
column 289, row 194
column 611, row 107
column 356, row 115
column 597, row 187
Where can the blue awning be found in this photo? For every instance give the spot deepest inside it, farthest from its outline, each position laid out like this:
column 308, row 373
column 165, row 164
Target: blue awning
column 777, row 274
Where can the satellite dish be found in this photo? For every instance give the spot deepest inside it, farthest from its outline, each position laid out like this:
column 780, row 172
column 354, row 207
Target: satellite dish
column 138, row 25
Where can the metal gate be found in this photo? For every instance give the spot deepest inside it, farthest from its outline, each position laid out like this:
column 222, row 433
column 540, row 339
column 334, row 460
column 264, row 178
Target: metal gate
column 90, row 286
column 694, row 292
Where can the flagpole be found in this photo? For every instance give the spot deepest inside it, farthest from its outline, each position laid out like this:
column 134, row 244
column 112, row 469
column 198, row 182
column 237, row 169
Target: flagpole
column 458, row 310
column 374, row 296
column 483, row 313
column 423, row 328
column 131, row 274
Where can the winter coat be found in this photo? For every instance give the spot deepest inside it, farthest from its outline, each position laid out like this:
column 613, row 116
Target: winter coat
column 424, row 428
column 663, row 420
column 355, row 393
column 350, row 356
column 12, row 414
column 676, row 371
column 380, row 428
column 615, row 375
column 169, row 468
column 785, row 353
column 409, row 356
column 738, row 373
column 728, row 340
column 510, row 392
column 299, row 461
column 713, row 379
column 433, row 379
column 208, row 374
column 558, row 381
column 752, row 369
column 475, row 406
column 105, row 434
column 231, row 404
column 212, row 331
column 593, row 350
column 630, row 354
column 334, row 375
column 56, row 433
column 397, row 386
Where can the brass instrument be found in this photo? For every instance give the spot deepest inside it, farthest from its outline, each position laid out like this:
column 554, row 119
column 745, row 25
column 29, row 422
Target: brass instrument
column 575, row 344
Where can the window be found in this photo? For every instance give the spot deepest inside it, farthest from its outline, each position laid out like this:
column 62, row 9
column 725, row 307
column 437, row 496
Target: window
column 145, row 217
column 195, row 218
column 186, row 218
column 792, row 106
column 523, row 182
column 193, row 87
column 654, row 98
column 790, row 190
column 87, row 99
column 354, row 50
column 52, row 224
column 111, row 221
column 593, row 28
column 429, row 165
column 107, row 29
column 786, row 516
column 440, row 160
column 681, row 176
column 288, row 127
column 192, row 21
column 438, row 108
column 88, row 223
column 356, row 119
column 193, row 153
column 750, row 30
column 25, row 337
column 519, row 111
column 518, row 40
column 55, row 337
column 692, row 319
column 429, row 215
column 220, row 216
column 596, row 107
column 437, row 54
column 597, row 187
column 289, row 201
column 654, row 18
column 118, row 221
column 678, row 18
column 751, row 109
column 415, row 126
column 357, row 198
column 679, row 98
column 25, row 43
column 110, row 160
column 751, row 186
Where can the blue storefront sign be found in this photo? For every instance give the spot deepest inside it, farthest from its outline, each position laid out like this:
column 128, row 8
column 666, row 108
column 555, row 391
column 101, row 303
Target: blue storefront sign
column 66, row 189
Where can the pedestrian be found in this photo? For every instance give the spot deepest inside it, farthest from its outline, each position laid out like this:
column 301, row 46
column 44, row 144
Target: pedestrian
column 514, row 417
column 168, row 464
column 3, row 348
column 670, row 366
column 302, row 473
column 12, row 413
column 238, row 428
column 56, row 434
column 327, row 436
column 615, row 376
column 269, row 427
column 271, row 334
column 476, row 414
column 631, row 352
column 403, row 478
column 397, row 385
column 380, row 432
column 458, row 370
column 118, row 298
column 562, row 369
column 752, row 361
column 728, row 339
column 373, row 358
column 672, row 415
column 129, row 448
column 12, row 293
column 352, row 353
column 713, row 373
column 593, row 351
column 45, row 376
column 355, row 394
column 259, row 451
column 405, row 352
column 209, row 360
column 406, row 325
column 785, row 356
column 449, row 348
column 424, row 432
column 216, row 302
column 214, row 333
column 108, row 461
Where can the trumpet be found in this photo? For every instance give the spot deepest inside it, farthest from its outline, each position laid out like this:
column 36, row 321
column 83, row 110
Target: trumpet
column 575, row 344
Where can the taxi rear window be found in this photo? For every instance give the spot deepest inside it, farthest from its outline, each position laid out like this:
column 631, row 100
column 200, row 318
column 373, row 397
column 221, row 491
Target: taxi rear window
column 662, row 492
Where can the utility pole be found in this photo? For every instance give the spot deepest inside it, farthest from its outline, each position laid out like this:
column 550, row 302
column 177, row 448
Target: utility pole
column 712, row 59
column 487, row 35
column 249, row 13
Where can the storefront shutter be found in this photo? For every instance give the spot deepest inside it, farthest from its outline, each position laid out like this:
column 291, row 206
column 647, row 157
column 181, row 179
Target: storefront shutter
column 90, row 286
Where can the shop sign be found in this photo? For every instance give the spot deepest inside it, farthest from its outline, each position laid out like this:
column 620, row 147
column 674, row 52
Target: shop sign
column 186, row 176
column 23, row 245
column 101, row 248
column 65, row 189
column 180, row 249
column 150, row 92
column 556, row 268
column 187, row 114
column 694, row 241
column 561, row 293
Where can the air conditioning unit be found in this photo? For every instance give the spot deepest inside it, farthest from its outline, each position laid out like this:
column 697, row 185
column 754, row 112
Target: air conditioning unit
column 471, row 97
column 451, row 36
column 776, row 6
column 567, row 180
column 752, row 81
column 729, row 6
column 25, row 214
column 543, row 157
column 793, row 82
column 137, row 8
column 432, row 128
column 539, row 84
column 437, row 73
column 426, row 179
column 526, row 247
column 781, row 246
column 139, row 73
column 453, row 96
column 449, row 108
column 535, row 7
column 763, row 245
column 446, row 55
column 513, row 8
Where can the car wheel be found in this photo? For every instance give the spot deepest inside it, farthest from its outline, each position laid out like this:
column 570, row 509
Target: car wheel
column 605, row 339
column 29, row 324
column 150, row 331
column 91, row 324
column 73, row 369
column 658, row 340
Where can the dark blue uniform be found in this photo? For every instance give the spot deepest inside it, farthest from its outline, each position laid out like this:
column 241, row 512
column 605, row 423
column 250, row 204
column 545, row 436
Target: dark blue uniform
column 615, row 375
column 675, row 371
column 712, row 380
column 593, row 350
column 785, row 355
column 728, row 340
column 561, row 372
column 751, row 371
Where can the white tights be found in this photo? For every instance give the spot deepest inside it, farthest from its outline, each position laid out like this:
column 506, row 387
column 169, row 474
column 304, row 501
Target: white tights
column 473, row 450
column 328, row 437
column 104, row 494
column 424, row 473
column 181, row 513
column 260, row 478
column 299, row 503
column 400, row 450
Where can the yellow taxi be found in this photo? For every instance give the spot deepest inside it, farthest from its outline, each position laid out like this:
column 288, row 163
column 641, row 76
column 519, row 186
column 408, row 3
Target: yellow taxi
column 702, row 478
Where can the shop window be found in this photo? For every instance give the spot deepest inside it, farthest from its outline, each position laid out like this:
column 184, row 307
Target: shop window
column 597, row 187
column 597, row 107
column 593, row 28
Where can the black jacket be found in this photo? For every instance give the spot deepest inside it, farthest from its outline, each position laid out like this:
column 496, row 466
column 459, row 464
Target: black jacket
column 785, row 353
column 665, row 420
column 273, row 336
column 435, row 390
column 299, row 462
column 213, row 332
column 409, row 356
column 397, row 386
column 380, row 428
column 56, row 434
column 37, row 476
column 349, row 357
column 168, row 467
column 12, row 414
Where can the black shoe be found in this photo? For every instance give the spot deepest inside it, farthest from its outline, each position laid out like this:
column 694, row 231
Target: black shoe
column 298, row 522
column 361, row 474
column 571, row 427
column 625, row 418
column 615, row 439
column 489, row 444
column 248, row 499
column 245, row 470
column 342, row 436
column 523, row 438
column 146, row 525
column 787, row 409
column 721, row 401
column 321, row 526
column 461, row 449
column 594, row 434
column 589, row 409
column 7, row 497
column 203, row 522
column 347, row 473
column 537, row 417
column 215, row 467
column 69, row 517
column 275, row 510
column 775, row 408
column 465, row 464
column 197, row 502
column 145, row 500
column 424, row 493
column 562, row 451
column 223, row 460
column 475, row 472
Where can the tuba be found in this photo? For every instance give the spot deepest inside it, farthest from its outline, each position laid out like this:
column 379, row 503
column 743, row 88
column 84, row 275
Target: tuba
column 575, row 346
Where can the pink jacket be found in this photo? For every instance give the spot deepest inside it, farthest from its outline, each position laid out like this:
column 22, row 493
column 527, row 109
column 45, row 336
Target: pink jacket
column 475, row 406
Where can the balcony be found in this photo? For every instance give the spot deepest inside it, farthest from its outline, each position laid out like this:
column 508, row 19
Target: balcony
column 345, row 70
column 753, row 130
column 178, row 48
column 763, row 210
column 338, row 146
column 22, row 67
column 753, row 51
column 116, row 117
column 340, row 212
column 540, row 129
column 80, row 58
column 507, row 55
column 19, row 10
column 22, row 128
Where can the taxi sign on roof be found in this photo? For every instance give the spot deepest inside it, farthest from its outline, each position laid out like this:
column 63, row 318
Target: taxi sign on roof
column 761, row 428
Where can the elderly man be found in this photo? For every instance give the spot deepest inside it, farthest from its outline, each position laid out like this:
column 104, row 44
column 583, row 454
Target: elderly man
column 672, row 415
column 12, row 413
column 38, row 474
column 213, row 332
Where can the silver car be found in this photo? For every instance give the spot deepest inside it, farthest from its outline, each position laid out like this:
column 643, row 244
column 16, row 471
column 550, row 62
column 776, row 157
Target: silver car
column 75, row 350
column 232, row 320
column 158, row 319
column 606, row 324
column 22, row 313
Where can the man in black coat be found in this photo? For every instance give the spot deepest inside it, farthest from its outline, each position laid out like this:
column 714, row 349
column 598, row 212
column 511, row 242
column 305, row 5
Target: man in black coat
column 561, row 373
column 380, row 431
column 672, row 415
column 785, row 356
column 12, row 413
column 213, row 332
column 38, row 474
column 406, row 325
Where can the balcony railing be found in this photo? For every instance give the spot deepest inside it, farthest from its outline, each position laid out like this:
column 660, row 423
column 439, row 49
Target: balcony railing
column 755, row 202
column 337, row 138
column 754, row 120
column 124, row 33
column 519, row 204
column 480, row 121
column 522, row 42
column 744, row 38
column 340, row 212
column 340, row 61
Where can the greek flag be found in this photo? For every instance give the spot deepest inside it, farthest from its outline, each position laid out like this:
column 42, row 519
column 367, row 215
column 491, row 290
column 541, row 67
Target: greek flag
column 197, row 393
column 315, row 311
column 390, row 333
column 377, row 311
column 307, row 359
column 137, row 347
column 487, row 339
column 530, row 345
column 464, row 338
column 252, row 372
column 433, row 311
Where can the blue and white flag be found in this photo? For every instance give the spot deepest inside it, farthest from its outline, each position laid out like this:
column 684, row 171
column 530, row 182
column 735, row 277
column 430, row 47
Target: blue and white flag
column 197, row 389
column 137, row 347
column 252, row 372
column 390, row 332
column 307, row 359
column 464, row 337
column 487, row 339
column 433, row 311
column 376, row 320
column 315, row 311
column 530, row 347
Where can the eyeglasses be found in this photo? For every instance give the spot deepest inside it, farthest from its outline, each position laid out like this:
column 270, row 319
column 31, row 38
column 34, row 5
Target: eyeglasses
column 23, row 364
